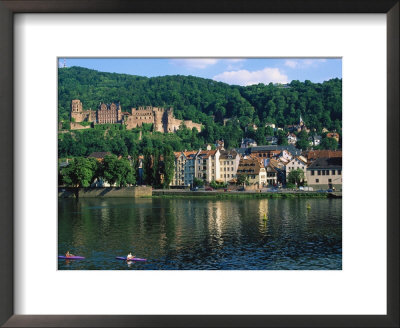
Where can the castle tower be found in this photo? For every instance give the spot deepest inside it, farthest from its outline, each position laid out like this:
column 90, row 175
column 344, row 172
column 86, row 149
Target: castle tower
column 76, row 106
column 158, row 119
column 119, row 113
column 170, row 121
column 76, row 111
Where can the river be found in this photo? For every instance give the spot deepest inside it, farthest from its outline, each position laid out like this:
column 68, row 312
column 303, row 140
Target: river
column 201, row 234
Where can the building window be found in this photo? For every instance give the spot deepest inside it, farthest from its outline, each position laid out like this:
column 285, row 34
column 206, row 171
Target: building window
column 319, row 172
column 327, row 172
column 316, row 180
column 339, row 172
column 312, row 172
column 329, row 180
column 333, row 172
column 323, row 172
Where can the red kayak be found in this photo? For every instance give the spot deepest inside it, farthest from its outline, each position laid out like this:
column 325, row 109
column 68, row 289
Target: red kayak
column 71, row 257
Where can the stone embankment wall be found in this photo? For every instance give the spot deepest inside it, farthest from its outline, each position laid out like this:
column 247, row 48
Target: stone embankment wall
column 338, row 187
column 110, row 192
column 77, row 126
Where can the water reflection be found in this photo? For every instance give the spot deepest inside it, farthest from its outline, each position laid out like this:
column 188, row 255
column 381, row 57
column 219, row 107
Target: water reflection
column 202, row 234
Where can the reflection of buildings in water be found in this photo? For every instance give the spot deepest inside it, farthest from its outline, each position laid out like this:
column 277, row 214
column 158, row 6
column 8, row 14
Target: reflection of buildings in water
column 278, row 211
column 263, row 214
column 192, row 224
column 167, row 227
column 263, row 207
column 83, row 225
column 225, row 219
column 105, row 216
column 163, row 241
column 92, row 215
column 142, row 208
column 215, row 217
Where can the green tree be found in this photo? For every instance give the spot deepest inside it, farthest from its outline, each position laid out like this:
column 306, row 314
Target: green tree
column 242, row 179
column 296, row 177
column 217, row 185
column 260, row 136
column 147, row 166
column 198, row 182
column 282, row 139
column 156, row 168
column 329, row 143
column 302, row 140
column 169, row 166
column 269, row 131
column 81, row 172
column 118, row 171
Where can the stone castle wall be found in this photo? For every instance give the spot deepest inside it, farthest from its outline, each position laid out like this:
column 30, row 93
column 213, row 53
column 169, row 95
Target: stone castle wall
column 77, row 126
column 163, row 120
column 84, row 116
column 190, row 125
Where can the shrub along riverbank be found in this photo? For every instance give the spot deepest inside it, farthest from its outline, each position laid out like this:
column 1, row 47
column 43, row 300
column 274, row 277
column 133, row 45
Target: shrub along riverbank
column 145, row 191
column 229, row 195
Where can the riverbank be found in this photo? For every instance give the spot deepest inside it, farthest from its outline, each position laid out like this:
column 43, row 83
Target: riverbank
column 243, row 194
column 110, row 192
column 148, row 192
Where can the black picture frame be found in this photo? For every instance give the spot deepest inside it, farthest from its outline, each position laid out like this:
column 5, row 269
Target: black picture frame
column 10, row 7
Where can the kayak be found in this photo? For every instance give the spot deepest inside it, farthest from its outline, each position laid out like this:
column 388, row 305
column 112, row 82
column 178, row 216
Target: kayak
column 134, row 259
column 71, row 257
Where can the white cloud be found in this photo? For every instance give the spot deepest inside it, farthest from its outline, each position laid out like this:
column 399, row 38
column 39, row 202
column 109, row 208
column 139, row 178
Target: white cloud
column 245, row 77
column 235, row 60
column 234, row 64
column 303, row 63
column 291, row 63
column 198, row 63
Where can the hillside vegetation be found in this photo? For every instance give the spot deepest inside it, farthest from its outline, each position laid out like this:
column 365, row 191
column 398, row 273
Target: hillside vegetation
column 201, row 100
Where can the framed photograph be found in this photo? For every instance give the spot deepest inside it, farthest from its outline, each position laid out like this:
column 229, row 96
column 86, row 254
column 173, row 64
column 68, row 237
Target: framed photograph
column 182, row 164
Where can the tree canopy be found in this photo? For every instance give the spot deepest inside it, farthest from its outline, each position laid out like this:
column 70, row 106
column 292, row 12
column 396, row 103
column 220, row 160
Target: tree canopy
column 226, row 111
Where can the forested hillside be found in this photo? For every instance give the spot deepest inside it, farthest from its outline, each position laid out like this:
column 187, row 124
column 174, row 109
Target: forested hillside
column 201, row 100
column 197, row 99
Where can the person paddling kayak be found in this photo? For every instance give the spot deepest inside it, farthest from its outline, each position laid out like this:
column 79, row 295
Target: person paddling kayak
column 130, row 257
column 67, row 254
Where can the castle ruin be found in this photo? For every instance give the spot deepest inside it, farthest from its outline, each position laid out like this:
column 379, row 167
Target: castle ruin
column 163, row 120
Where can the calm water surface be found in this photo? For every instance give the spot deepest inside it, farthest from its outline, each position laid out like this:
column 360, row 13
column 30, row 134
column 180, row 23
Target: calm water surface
column 201, row 234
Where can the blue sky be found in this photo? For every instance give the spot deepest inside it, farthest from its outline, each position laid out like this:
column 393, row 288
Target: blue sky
column 241, row 71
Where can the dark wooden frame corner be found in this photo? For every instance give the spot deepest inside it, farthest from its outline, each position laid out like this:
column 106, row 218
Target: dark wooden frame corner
column 10, row 7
